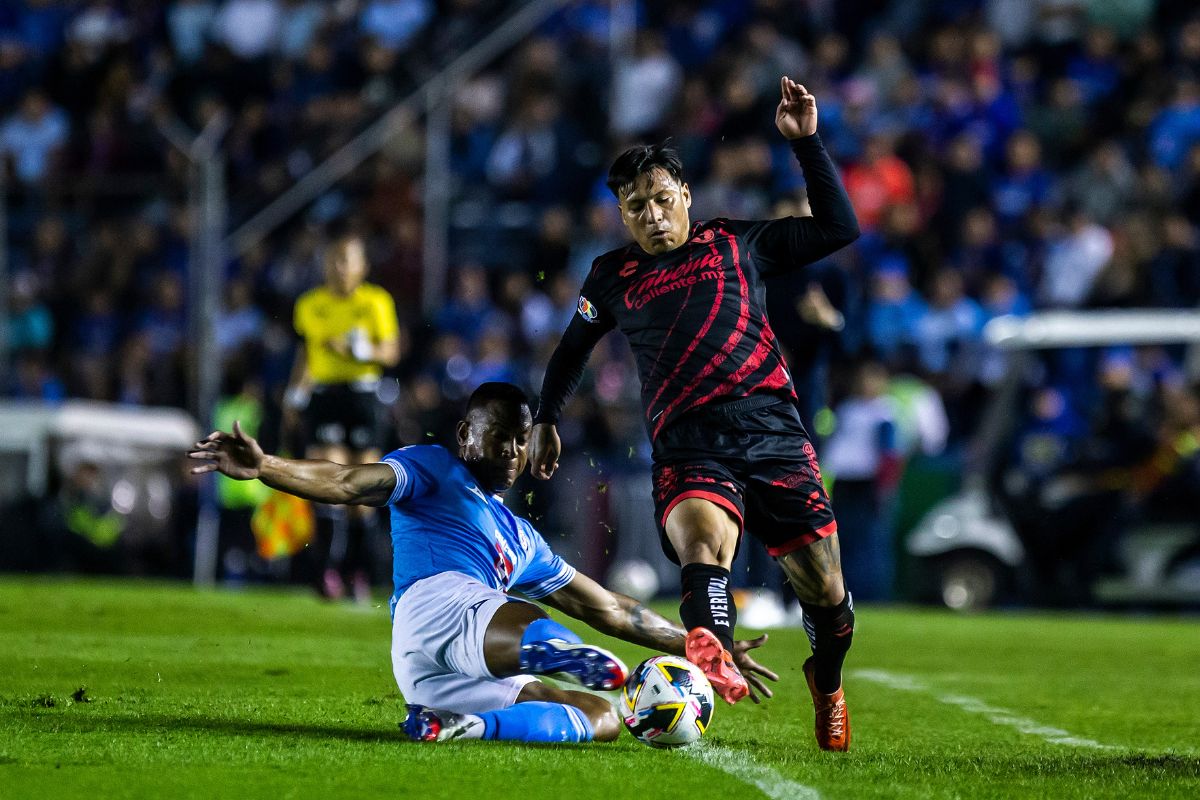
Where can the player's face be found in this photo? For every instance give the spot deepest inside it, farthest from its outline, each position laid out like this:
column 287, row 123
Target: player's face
column 346, row 266
column 655, row 211
column 494, row 442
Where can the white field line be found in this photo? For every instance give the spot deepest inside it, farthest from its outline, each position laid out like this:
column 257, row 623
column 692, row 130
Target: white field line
column 743, row 767
column 972, row 705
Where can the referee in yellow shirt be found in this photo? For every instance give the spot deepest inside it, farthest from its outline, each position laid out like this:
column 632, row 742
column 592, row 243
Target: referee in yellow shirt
column 349, row 334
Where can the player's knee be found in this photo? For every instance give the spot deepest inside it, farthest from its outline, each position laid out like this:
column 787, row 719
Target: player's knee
column 606, row 725
column 702, row 532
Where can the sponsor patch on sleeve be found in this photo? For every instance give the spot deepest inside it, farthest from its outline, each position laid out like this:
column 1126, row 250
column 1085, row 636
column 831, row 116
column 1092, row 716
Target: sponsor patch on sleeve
column 586, row 309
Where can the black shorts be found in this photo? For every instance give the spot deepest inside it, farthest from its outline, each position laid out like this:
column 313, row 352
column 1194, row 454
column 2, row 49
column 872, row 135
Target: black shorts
column 753, row 458
column 339, row 414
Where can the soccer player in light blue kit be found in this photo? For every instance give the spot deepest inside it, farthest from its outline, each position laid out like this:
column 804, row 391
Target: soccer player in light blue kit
column 464, row 653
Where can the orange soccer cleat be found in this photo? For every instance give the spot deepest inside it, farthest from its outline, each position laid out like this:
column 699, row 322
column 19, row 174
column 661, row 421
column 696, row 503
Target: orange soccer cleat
column 705, row 650
column 833, row 720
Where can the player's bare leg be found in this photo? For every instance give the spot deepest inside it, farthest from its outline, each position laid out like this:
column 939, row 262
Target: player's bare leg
column 704, row 536
column 815, row 573
column 522, row 640
column 605, row 722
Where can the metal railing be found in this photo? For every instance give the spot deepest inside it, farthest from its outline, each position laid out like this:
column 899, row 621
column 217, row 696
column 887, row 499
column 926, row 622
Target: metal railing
column 432, row 99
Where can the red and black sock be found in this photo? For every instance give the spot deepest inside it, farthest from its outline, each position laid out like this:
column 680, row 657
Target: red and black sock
column 708, row 602
column 830, row 630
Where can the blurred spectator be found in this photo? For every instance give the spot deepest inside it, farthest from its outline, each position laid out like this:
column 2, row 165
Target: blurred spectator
column 249, row 28
column 34, row 379
column 302, row 20
column 949, row 330
column 863, row 458
column 880, row 180
column 188, row 22
column 894, row 309
column 394, row 23
column 469, row 308
column 238, row 559
column 30, row 326
column 644, row 88
column 1074, row 257
column 1025, row 185
column 241, row 321
column 33, row 137
column 1104, row 187
column 1177, row 127
column 81, row 520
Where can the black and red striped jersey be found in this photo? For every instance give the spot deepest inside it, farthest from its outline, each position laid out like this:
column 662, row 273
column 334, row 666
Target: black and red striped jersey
column 695, row 317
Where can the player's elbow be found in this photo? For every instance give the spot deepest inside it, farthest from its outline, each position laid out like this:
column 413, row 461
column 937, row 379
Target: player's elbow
column 848, row 232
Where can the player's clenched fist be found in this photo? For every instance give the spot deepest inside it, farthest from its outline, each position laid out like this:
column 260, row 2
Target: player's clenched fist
column 796, row 115
column 544, row 450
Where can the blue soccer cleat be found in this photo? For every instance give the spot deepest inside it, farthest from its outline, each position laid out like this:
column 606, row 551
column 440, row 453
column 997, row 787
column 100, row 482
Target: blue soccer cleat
column 424, row 724
column 591, row 667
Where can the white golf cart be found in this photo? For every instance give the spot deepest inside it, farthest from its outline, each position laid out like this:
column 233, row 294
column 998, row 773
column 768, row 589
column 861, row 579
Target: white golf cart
column 967, row 546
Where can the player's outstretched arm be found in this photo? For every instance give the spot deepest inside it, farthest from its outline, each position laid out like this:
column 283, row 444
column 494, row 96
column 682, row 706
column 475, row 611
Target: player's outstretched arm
column 626, row 618
column 239, row 456
column 792, row 242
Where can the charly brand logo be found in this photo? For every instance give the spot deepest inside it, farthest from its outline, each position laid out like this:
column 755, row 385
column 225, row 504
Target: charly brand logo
column 658, row 282
column 629, row 268
column 586, row 309
column 704, row 237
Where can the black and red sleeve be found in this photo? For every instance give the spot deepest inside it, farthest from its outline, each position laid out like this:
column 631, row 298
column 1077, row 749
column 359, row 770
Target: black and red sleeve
column 565, row 370
column 781, row 244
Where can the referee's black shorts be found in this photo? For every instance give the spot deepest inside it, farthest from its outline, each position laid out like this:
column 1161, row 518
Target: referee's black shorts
column 345, row 415
column 753, row 458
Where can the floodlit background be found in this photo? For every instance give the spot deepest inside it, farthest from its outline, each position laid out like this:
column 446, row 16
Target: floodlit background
column 1021, row 308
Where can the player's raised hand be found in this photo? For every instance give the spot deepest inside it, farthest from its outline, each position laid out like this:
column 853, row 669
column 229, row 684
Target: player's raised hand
column 234, row 454
column 796, row 115
column 752, row 671
column 544, row 449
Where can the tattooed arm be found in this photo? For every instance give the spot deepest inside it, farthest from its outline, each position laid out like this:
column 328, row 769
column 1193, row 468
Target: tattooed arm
column 625, row 618
column 617, row 615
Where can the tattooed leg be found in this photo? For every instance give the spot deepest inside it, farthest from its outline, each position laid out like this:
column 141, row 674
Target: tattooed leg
column 815, row 572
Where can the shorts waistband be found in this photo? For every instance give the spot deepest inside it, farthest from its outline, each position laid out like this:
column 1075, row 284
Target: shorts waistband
column 742, row 405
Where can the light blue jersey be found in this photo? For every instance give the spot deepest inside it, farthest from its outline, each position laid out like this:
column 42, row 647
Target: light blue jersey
column 443, row 522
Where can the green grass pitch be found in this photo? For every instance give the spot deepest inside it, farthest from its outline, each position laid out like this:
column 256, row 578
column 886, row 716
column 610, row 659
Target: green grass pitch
column 112, row 690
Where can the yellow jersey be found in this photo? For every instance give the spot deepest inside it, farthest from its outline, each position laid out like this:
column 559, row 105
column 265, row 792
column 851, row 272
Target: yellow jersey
column 321, row 315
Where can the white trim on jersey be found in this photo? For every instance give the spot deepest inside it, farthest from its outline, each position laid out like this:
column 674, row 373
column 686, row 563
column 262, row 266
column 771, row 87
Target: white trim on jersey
column 551, row 584
column 401, row 480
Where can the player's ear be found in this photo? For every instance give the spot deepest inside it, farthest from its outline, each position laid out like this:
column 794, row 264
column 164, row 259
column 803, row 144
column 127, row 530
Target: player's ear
column 686, row 191
column 461, row 433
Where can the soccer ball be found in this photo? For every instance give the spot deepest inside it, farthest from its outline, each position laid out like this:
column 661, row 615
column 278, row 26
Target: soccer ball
column 667, row 702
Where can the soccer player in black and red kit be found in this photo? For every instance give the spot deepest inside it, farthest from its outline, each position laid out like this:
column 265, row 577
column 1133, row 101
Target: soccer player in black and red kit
column 729, row 449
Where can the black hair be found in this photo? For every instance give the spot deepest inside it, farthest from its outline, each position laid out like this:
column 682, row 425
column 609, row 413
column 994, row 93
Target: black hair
column 640, row 160
column 495, row 391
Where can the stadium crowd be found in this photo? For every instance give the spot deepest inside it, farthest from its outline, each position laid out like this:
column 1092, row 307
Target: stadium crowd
column 1003, row 156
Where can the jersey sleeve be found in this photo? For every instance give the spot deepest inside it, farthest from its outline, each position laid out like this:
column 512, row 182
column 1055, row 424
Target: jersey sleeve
column 416, row 467
column 385, row 324
column 565, row 370
column 781, row 244
column 545, row 573
column 300, row 316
